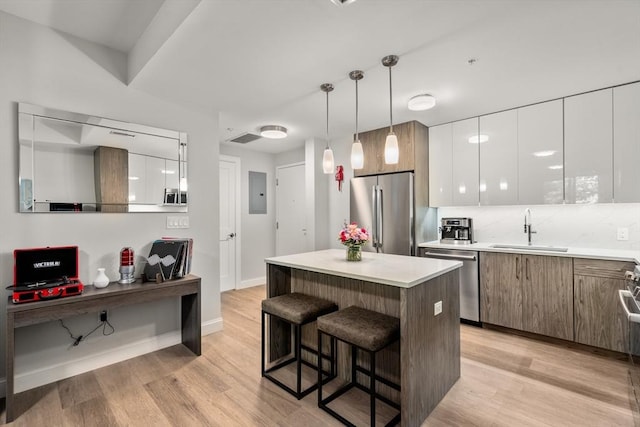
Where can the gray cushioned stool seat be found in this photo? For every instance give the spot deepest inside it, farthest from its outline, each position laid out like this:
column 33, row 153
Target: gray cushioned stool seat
column 297, row 308
column 364, row 328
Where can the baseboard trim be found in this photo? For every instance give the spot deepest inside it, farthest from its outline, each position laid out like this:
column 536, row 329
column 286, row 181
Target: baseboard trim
column 39, row 377
column 212, row 326
column 250, row 283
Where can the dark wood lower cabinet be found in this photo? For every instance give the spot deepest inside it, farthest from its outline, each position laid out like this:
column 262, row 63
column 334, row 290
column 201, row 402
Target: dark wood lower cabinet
column 532, row 293
column 599, row 319
column 547, row 295
column 500, row 289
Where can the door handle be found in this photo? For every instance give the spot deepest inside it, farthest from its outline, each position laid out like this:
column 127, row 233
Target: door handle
column 374, row 206
column 624, row 294
column 380, row 219
column 449, row 256
column 518, row 267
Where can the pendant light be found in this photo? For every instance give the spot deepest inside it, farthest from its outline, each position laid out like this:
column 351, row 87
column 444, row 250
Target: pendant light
column 391, row 151
column 327, row 157
column 357, row 155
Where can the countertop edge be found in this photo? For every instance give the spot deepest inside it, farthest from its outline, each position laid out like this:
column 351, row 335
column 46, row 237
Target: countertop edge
column 450, row 266
column 588, row 253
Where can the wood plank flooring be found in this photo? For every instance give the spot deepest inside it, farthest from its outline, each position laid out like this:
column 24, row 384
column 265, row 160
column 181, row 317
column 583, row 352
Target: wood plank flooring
column 506, row 380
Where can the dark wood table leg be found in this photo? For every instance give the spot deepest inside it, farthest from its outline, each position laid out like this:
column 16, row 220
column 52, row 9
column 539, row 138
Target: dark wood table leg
column 9, row 355
column 191, row 322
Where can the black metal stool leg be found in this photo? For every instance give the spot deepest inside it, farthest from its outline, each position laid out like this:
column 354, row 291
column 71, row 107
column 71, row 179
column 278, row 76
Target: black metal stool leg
column 298, row 352
column 320, row 366
column 262, row 345
column 372, row 385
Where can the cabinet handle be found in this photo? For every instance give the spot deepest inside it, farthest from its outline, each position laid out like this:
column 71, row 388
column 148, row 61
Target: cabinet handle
column 518, row 268
column 526, row 268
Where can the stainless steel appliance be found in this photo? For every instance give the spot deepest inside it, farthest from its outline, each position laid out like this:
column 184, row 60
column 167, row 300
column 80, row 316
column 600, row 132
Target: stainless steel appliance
column 385, row 205
column 456, row 230
column 469, row 279
column 630, row 301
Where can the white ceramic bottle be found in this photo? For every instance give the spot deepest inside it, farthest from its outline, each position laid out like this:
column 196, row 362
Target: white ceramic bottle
column 101, row 280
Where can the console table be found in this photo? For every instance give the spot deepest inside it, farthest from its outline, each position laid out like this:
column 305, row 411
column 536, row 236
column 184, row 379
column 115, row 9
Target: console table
column 92, row 300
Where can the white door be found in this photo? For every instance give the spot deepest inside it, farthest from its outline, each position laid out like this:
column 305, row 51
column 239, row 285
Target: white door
column 229, row 222
column 291, row 221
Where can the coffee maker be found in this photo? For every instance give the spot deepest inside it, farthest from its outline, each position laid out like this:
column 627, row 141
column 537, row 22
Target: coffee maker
column 456, row 231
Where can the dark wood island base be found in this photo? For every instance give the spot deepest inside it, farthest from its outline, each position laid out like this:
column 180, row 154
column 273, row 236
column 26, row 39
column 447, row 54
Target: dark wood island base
column 429, row 344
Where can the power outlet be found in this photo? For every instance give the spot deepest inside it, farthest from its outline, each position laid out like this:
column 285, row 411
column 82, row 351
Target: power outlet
column 623, row 233
column 103, row 316
column 437, row 308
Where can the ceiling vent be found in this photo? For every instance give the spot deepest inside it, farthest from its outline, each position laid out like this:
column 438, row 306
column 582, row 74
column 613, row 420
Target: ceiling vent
column 245, row 138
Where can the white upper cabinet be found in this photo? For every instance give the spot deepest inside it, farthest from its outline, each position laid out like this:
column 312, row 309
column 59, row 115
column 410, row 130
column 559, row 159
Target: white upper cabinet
column 588, row 147
column 626, row 143
column 440, row 162
column 540, row 154
column 498, row 141
column 465, row 162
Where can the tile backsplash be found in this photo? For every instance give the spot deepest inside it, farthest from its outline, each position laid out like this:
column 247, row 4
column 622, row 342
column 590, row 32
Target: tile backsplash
column 580, row 226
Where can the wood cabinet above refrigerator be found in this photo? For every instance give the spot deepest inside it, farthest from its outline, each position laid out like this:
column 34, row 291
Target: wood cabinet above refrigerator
column 412, row 143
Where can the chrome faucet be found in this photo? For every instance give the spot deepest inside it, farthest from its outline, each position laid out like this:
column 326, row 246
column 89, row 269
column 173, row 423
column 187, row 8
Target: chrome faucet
column 527, row 225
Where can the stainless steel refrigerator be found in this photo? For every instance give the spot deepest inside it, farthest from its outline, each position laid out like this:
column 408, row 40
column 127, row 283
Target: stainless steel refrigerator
column 385, row 205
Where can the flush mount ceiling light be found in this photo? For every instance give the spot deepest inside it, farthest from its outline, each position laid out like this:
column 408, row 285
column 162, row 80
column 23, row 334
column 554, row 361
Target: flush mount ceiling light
column 357, row 155
column 478, row 139
column 342, row 2
column 327, row 157
column 391, row 151
column 273, row 132
column 421, row 102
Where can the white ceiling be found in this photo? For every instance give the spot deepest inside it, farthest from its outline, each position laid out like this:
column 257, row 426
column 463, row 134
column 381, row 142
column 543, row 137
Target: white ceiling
column 261, row 62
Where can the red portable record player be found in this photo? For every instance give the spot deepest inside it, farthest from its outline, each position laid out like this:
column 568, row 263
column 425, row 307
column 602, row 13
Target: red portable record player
column 45, row 273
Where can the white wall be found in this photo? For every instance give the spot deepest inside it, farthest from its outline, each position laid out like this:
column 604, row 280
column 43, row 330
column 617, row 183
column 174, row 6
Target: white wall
column 290, row 157
column 339, row 200
column 580, row 226
column 257, row 232
column 43, row 67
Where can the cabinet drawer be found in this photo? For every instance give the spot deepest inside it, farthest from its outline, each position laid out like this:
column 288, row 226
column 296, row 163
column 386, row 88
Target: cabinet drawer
column 601, row 268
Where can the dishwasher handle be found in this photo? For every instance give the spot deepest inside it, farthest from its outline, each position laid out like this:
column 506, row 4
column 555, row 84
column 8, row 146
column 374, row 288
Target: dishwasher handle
column 450, row 256
column 632, row 317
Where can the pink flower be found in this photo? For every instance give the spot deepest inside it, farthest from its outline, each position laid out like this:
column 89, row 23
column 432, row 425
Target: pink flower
column 353, row 235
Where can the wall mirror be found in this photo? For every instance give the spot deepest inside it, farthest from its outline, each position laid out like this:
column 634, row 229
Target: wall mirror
column 71, row 162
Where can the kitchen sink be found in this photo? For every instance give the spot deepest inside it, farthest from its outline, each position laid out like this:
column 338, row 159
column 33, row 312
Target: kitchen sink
column 531, row 248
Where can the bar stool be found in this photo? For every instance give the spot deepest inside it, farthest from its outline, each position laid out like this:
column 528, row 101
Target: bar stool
column 297, row 310
column 364, row 330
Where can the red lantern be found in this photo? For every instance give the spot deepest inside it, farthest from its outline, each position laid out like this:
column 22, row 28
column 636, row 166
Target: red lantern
column 126, row 266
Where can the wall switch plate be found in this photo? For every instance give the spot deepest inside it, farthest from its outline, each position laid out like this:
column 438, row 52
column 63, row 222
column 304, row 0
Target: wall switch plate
column 623, row 233
column 177, row 222
column 437, row 308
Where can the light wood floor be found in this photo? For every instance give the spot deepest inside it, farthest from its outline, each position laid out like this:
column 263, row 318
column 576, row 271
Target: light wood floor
column 506, row 380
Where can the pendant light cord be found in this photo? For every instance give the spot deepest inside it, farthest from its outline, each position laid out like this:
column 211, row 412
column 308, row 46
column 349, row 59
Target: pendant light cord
column 390, row 104
column 356, row 111
column 327, row 119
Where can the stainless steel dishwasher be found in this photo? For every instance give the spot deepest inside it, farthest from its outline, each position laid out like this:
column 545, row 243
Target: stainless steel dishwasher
column 469, row 279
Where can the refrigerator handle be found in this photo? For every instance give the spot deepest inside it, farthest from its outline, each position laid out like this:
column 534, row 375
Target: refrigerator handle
column 374, row 226
column 380, row 220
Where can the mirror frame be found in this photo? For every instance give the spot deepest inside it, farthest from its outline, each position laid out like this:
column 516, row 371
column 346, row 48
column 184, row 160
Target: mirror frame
column 27, row 113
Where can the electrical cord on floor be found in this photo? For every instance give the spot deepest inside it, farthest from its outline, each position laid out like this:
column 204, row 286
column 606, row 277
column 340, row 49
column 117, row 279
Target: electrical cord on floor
column 107, row 329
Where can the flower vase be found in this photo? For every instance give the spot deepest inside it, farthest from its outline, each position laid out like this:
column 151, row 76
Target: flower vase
column 354, row 253
column 101, row 280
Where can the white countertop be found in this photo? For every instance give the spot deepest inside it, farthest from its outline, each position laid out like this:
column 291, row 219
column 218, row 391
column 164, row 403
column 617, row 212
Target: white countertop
column 591, row 253
column 394, row 270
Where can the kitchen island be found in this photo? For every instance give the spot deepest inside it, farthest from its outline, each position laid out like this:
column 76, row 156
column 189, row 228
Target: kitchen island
column 401, row 286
